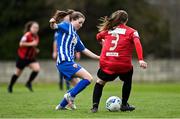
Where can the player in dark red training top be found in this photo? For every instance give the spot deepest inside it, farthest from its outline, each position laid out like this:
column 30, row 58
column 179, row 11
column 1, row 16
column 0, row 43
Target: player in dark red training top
column 27, row 52
column 118, row 41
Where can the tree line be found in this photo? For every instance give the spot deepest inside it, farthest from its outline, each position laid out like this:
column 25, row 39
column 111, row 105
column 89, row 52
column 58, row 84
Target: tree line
column 144, row 17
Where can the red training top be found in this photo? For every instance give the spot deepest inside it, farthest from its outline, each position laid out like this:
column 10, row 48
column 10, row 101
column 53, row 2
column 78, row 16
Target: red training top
column 28, row 52
column 118, row 45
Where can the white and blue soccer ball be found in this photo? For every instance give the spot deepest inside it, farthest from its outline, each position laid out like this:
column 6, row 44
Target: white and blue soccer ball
column 113, row 103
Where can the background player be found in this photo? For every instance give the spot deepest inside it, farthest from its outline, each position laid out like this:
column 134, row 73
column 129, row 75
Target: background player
column 27, row 52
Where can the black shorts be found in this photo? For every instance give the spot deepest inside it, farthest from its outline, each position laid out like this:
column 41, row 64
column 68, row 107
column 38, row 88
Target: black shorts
column 110, row 77
column 21, row 63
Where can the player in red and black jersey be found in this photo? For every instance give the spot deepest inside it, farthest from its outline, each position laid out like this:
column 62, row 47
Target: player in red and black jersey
column 118, row 41
column 27, row 52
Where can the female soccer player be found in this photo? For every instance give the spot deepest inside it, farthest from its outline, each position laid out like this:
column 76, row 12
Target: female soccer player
column 68, row 41
column 27, row 52
column 61, row 16
column 118, row 41
column 54, row 55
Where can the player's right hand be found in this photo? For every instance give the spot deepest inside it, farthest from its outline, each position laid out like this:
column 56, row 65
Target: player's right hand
column 34, row 43
column 52, row 20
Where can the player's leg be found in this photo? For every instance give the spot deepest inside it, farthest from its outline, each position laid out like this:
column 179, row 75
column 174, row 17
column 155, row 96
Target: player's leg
column 97, row 93
column 67, row 85
column 98, row 88
column 126, row 90
column 20, row 64
column 70, row 69
column 35, row 70
column 14, row 78
column 81, row 85
column 86, row 80
column 74, row 81
column 62, row 105
column 61, row 80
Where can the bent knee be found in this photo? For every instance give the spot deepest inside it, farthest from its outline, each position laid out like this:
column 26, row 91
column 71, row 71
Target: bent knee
column 36, row 69
column 101, row 82
column 89, row 78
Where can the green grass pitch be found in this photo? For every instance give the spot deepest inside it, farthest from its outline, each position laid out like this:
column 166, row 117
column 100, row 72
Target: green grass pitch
column 152, row 100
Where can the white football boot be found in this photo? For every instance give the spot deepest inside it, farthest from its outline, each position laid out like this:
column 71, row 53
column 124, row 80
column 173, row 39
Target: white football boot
column 70, row 101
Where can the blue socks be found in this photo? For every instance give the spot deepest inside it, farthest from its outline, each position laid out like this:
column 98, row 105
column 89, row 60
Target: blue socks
column 63, row 103
column 79, row 87
column 74, row 91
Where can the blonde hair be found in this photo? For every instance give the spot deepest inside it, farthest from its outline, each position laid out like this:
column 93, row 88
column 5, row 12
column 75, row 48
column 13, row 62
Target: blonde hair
column 116, row 18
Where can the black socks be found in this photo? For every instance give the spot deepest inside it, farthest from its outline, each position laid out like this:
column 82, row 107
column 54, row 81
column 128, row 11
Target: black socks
column 32, row 77
column 13, row 80
column 98, row 88
column 126, row 89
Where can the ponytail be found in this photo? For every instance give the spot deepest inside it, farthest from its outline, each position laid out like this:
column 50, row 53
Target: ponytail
column 116, row 18
column 59, row 16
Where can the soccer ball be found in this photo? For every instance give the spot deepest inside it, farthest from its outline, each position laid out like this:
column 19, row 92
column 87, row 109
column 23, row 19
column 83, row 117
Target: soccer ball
column 113, row 103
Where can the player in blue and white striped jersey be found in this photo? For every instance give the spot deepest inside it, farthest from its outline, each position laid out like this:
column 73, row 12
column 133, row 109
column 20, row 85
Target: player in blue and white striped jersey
column 68, row 41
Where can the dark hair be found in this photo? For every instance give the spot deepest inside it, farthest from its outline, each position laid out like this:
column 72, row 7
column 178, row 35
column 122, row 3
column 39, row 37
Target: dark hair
column 116, row 18
column 59, row 15
column 70, row 11
column 28, row 26
column 76, row 15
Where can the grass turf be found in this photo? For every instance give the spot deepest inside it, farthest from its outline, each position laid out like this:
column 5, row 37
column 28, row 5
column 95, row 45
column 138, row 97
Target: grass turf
column 152, row 100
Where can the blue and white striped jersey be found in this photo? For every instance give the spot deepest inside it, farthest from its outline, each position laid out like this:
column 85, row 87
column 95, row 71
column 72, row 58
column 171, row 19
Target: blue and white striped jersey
column 68, row 41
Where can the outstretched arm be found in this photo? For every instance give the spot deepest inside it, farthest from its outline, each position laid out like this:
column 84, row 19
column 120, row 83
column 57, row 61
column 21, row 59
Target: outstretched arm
column 139, row 51
column 90, row 54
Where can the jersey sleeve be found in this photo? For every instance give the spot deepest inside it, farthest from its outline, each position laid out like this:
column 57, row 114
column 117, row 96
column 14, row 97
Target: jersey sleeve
column 79, row 46
column 101, row 35
column 136, row 40
column 65, row 26
column 138, row 47
column 24, row 38
column 135, row 35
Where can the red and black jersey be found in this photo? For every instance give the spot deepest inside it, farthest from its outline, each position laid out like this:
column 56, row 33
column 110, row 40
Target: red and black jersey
column 118, row 45
column 28, row 52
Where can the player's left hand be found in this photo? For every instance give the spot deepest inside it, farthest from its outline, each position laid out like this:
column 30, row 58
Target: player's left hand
column 143, row 64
